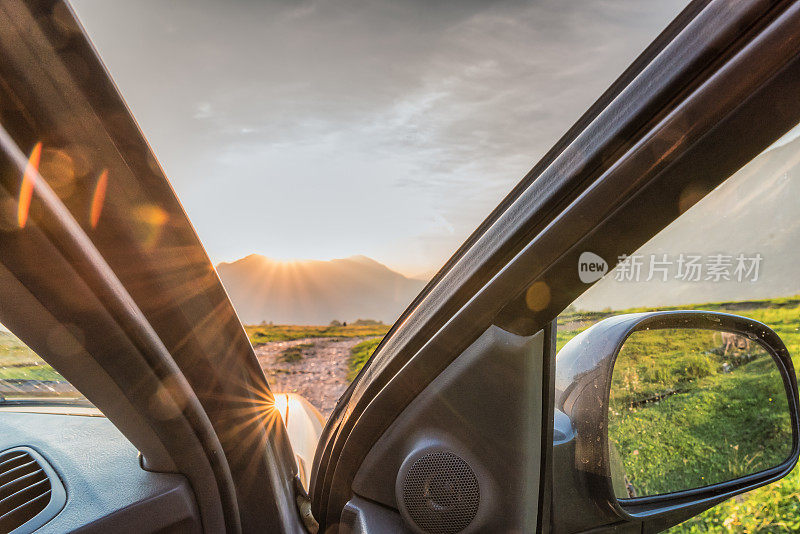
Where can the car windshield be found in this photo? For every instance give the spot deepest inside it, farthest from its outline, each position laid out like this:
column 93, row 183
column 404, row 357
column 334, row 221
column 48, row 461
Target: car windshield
column 331, row 159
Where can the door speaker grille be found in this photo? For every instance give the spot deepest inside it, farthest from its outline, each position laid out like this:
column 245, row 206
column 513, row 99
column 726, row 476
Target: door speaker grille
column 440, row 493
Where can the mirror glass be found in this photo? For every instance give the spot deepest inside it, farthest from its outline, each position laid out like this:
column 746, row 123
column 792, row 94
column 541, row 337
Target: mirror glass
column 690, row 408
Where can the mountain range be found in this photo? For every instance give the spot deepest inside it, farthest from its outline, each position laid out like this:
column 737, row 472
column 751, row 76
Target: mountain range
column 316, row 292
column 755, row 212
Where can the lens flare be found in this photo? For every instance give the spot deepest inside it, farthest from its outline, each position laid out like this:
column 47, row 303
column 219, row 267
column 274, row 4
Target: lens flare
column 152, row 220
column 538, row 296
column 28, row 183
column 98, row 198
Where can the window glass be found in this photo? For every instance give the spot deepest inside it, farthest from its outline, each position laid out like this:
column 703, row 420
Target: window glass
column 733, row 251
column 332, row 159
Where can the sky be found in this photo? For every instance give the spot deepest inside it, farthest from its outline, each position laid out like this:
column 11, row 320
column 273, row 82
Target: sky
column 324, row 129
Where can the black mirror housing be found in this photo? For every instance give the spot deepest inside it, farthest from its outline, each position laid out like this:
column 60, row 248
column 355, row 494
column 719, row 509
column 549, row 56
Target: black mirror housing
column 583, row 492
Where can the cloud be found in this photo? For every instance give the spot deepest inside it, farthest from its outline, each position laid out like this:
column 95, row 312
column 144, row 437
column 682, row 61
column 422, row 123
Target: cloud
column 203, row 111
column 427, row 111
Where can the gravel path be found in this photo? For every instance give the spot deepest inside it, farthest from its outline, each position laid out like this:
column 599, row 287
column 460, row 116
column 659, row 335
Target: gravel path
column 320, row 373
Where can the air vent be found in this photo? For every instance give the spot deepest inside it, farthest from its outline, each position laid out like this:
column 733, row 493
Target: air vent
column 31, row 493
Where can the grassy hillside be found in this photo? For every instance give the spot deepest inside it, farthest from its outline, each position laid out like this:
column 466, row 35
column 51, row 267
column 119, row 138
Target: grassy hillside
column 360, row 354
column 683, row 414
column 774, row 508
column 259, row 334
column 19, row 363
column 676, row 419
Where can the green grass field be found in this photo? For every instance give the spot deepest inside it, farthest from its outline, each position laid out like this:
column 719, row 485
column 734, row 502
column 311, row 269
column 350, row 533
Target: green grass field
column 680, row 421
column 676, row 442
column 15, row 352
column 774, row 508
column 295, row 353
column 260, row 334
column 19, row 364
column 360, row 354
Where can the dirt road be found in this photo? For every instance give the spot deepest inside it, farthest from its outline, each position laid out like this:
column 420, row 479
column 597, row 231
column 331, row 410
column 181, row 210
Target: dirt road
column 318, row 373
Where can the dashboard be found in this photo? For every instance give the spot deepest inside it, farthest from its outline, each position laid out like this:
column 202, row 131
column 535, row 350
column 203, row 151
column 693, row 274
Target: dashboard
column 107, row 490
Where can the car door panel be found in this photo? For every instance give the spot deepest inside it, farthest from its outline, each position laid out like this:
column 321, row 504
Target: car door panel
column 361, row 516
column 484, row 408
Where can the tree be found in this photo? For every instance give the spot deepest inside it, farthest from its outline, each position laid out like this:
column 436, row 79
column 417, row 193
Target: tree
column 367, row 322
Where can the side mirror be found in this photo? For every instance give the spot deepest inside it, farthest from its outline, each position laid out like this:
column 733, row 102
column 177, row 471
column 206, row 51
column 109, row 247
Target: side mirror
column 662, row 415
